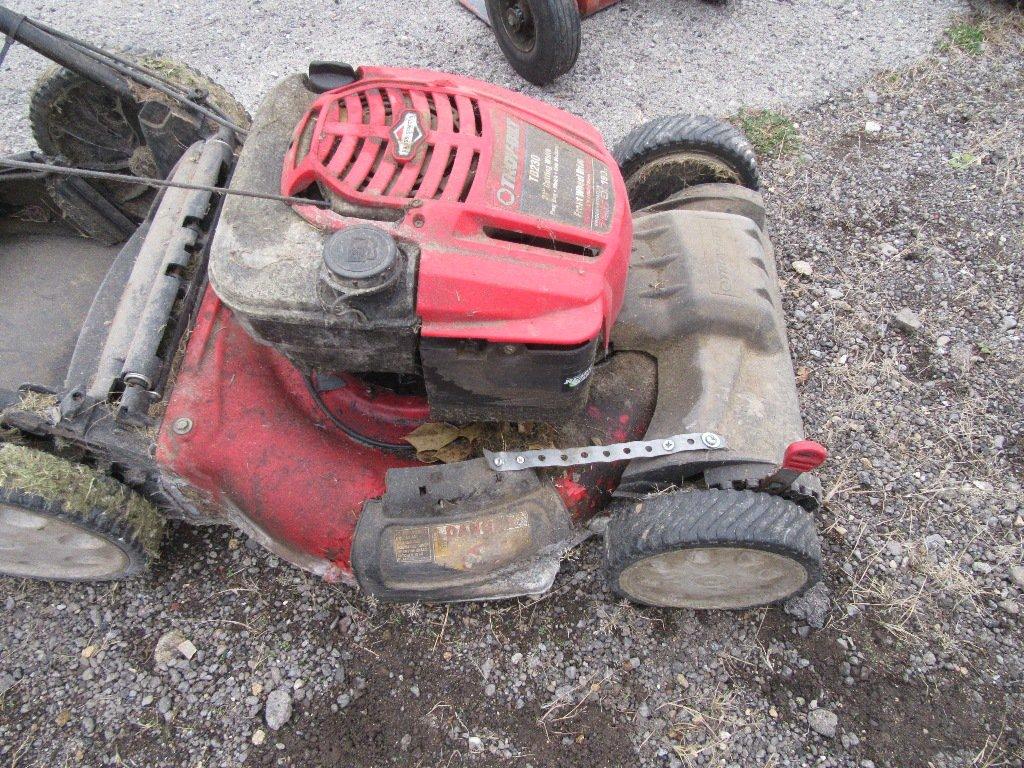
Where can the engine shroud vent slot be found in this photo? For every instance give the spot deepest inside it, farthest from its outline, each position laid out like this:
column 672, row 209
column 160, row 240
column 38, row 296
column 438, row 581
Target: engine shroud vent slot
column 343, row 148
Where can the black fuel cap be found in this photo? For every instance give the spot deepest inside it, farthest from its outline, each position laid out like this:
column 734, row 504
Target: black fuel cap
column 362, row 252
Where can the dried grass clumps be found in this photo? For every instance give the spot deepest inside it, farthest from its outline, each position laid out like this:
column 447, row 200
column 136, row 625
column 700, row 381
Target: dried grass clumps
column 35, row 403
column 82, row 491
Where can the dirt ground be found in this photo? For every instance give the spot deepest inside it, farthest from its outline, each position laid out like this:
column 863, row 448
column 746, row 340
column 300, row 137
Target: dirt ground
column 904, row 197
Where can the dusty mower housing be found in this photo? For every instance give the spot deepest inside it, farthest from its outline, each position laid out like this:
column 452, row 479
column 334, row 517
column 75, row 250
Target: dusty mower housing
column 699, row 344
column 447, row 250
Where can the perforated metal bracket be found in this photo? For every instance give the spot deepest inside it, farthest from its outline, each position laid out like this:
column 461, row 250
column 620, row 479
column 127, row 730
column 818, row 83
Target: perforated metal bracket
column 512, row 461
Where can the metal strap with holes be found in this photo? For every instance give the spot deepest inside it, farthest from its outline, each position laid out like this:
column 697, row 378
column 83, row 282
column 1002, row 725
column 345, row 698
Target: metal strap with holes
column 511, row 461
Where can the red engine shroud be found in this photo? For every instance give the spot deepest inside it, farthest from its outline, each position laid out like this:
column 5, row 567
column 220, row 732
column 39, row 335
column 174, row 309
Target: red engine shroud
column 519, row 210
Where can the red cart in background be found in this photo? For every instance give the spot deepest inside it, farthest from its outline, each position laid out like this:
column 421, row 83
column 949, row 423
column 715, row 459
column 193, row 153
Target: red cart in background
column 540, row 38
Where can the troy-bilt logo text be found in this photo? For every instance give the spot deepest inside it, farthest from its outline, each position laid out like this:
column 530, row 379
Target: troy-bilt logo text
column 407, row 135
column 510, row 165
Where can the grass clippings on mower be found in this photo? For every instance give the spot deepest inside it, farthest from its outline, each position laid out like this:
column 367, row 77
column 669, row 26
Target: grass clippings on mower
column 78, row 487
column 36, row 403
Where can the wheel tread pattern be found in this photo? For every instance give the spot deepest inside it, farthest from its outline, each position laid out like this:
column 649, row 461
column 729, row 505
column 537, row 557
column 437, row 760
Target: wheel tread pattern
column 709, row 518
column 557, row 45
column 125, row 519
column 53, row 82
column 114, row 527
column 806, row 490
column 664, row 135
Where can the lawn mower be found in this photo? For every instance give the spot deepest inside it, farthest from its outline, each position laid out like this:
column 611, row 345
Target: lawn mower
column 407, row 330
column 540, row 38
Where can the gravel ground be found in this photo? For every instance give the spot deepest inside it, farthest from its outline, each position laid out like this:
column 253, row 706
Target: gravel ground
column 905, row 199
column 639, row 59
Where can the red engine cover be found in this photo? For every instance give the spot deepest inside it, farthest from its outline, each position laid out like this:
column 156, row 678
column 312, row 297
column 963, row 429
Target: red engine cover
column 518, row 208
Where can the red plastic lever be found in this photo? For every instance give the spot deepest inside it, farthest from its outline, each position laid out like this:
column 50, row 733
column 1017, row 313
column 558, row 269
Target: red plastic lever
column 804, row 455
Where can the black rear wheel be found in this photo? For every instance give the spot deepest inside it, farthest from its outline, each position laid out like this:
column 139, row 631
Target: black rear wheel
column 712, row 549
column 669, row 154
column 89, row 126
column 540, row 38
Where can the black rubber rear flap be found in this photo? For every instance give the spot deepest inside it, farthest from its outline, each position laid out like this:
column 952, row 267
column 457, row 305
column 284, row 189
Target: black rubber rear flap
column 451, row 532
column 325, row 76
column 717, row 198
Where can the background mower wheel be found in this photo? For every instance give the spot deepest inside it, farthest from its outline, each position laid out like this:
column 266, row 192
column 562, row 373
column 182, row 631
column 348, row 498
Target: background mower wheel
column 712, row 549
column 669, row 154
column 85, row 123
column 63, row 521
column 540, row 38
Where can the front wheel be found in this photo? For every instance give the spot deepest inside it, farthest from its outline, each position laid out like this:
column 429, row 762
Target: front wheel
column 540, row 38
column 712, row 549
column 62, row 521
column 669, row 154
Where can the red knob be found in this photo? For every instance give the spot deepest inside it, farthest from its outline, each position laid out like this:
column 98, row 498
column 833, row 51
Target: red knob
column 804, row 455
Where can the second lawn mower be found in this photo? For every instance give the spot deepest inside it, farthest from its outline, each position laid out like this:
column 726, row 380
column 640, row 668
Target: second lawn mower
column 429, row 331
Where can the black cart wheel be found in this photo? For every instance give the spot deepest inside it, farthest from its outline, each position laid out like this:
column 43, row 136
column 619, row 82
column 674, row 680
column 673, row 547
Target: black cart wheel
column 540, row 38
column 88, row 125
column 62, row 521
column 712, row 549
column 669, row 154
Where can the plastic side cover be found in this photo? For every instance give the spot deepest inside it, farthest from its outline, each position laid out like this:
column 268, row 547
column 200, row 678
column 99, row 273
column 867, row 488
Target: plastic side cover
column 703, row 298
column 460, row 532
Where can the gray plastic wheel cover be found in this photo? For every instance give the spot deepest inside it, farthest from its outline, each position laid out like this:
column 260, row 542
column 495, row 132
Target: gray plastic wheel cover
column 44, row 547
column 712, row 577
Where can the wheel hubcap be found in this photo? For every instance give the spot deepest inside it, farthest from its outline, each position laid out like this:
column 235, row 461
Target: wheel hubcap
column 43, row 547
column 713, row 577
column 517, row 18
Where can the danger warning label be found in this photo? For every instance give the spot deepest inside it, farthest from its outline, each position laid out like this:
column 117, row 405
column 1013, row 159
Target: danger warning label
column 488, row 541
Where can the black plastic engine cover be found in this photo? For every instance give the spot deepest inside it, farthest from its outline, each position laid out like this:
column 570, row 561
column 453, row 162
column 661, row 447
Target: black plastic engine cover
column 268, row 265
column 470, row 380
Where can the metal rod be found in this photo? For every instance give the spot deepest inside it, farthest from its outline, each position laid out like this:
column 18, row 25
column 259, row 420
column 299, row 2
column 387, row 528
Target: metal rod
column 97, row 64
column 162, row 183
column 22, row 29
